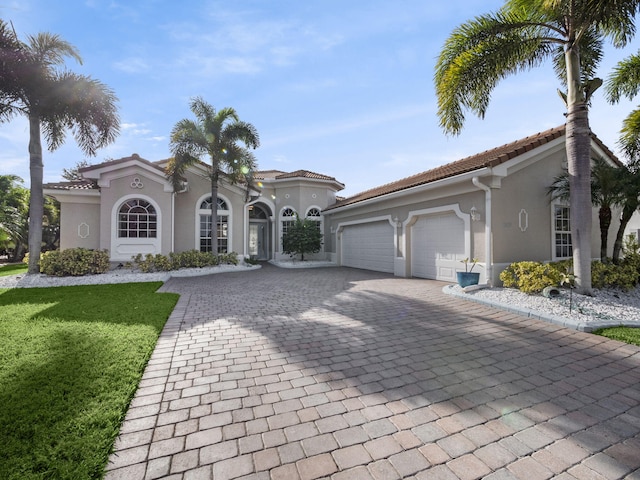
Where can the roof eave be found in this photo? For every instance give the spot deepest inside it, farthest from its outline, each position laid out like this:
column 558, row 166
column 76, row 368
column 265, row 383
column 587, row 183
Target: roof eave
column 443, row 182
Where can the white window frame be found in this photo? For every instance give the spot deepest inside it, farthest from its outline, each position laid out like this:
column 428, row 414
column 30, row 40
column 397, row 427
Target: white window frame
column 204, row 211
column 319, row 219
column 564, row 233
column 285, row 219
column 123, row 248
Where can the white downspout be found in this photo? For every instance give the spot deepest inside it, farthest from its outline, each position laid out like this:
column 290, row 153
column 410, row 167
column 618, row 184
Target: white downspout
column 487, row 229
column 173, row 222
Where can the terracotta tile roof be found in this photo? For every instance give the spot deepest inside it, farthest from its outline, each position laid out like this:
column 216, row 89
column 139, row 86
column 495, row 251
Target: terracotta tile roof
column 264, row 174
column 75, row 185
column 305, row 174
column 488, row 158
column 133, row 156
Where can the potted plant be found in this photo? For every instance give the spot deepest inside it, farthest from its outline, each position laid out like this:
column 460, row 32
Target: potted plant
column 468, row 277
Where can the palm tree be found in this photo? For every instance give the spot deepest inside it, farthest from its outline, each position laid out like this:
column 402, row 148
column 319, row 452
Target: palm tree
column 215, row 134
column 625, row 82
column 34, row 84
column 630, row 188
column 520, row 36
column 606, row 188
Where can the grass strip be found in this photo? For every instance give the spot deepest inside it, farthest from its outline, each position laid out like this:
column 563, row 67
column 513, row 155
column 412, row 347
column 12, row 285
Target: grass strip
column 623, row 334
column 13, row 269
column 70, row 362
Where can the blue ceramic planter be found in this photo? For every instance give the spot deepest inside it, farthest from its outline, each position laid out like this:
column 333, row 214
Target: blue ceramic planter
column 468, row 278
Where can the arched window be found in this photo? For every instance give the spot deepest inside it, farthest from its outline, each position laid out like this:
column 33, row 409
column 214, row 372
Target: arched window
column 287, row 219
column 315, row 216
column 137, row 219
column 222, row 232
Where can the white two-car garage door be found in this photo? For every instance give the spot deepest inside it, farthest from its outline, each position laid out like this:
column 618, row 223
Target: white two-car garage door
column 369, row 246
column 437, row 246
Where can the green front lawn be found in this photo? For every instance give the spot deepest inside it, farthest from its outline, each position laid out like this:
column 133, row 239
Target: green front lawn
column 13, row 269
column 70, row 361
column 624, row 334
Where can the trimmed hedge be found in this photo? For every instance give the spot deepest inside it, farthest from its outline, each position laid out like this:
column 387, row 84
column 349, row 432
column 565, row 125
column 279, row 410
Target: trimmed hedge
column 74, row 262
column 189, row 259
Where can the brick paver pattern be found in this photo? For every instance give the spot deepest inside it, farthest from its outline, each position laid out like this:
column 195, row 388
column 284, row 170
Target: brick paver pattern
column 345, row 374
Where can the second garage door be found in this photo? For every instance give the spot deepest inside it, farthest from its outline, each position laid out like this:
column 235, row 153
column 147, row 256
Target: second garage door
column 369, row 246
column 437, row 246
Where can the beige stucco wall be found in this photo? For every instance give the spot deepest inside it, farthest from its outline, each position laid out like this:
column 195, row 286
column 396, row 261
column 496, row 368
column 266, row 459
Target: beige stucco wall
column 521, row 190
column 527, row 190
column 80, row 224
column 301, row 195
column 117, row 192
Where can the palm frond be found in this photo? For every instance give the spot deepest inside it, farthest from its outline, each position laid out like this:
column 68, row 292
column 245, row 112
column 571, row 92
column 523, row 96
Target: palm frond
column 85, row 106
column 480, row 53
column 51, row 50
column 630, row 136
column 624, row 81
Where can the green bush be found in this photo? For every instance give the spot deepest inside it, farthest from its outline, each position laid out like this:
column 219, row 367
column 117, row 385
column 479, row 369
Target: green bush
column 530, row 277
column 176, row 261
column 623, row 275
column 74, row 262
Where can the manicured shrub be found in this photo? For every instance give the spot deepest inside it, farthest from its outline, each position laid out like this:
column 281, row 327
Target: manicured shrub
column 74, row 262
column 176, row 261
column 530, row 277
column 230, row 258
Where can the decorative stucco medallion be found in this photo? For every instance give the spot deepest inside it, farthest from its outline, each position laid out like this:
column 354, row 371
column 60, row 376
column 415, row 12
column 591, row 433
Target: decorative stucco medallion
column 83, row 230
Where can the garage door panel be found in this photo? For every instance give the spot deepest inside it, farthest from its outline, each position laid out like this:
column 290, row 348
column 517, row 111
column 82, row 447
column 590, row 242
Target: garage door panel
column 437, row 246
column 369, row 246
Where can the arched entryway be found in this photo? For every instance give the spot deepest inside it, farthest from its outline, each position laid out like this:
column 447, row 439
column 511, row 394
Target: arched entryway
column 259, row 237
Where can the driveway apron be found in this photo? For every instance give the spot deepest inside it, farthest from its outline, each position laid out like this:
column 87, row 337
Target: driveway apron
column 348, row 374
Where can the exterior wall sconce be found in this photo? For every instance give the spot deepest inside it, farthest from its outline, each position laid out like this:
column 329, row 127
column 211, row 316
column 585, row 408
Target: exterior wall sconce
column 475, row 216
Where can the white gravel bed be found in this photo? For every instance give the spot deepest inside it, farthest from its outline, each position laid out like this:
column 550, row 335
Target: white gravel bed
column 302, row 264
column 123, row 275
column 606, row 308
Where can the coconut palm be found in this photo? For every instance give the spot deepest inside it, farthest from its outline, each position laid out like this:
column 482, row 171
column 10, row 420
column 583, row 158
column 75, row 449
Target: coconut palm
column 606, row 192
column 54, row 100
column 215, row 134
column 520, row 36
column 625, row 82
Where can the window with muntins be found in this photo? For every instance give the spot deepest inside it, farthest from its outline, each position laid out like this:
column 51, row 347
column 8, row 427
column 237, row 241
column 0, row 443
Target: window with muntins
column 314, row 215
column 288, row 218
column 562, row 232
column 137, row 218
column 222, row 230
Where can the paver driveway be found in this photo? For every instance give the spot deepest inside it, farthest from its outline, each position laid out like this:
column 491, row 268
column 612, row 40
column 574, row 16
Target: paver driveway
column 347, row 374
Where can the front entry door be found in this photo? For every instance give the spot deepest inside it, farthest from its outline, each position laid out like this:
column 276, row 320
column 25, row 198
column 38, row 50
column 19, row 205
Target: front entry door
column 258, row 240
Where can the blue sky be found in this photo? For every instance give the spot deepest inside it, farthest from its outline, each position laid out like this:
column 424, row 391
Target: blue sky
column 343, row 88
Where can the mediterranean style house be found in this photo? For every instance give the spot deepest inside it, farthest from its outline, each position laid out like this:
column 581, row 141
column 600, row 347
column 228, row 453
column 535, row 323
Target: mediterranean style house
column 493, row 206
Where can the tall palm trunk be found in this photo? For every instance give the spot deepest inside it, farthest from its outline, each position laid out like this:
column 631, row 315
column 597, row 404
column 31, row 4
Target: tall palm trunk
column 578, row 148
column 604, row 215
column 627, row 213
column 36, row 199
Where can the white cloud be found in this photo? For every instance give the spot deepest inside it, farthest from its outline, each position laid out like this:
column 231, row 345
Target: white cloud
column 132, row 65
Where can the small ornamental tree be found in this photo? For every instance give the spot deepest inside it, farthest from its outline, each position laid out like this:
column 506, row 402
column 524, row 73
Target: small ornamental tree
column 303, row 236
